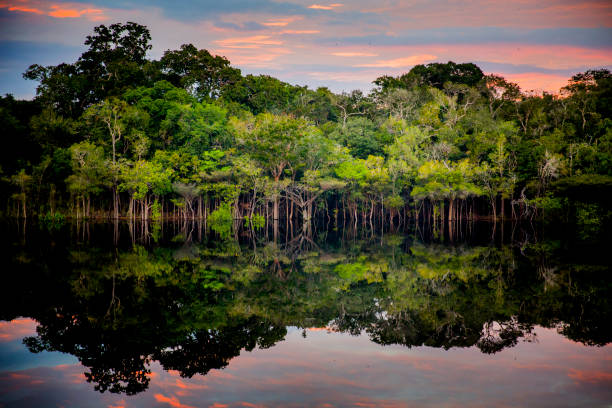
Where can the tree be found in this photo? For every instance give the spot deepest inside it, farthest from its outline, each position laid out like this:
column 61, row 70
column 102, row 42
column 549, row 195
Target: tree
column 22, row 181
column 115, row 115
column 437, row 74
column 361, row 136
column 203, row 75
column 273, row 141
column 317, row 156
column 350, row 104
column 261, row 93
column 499, row 93
column 142, row 179
column 114, row 61
column 90, row 174
column 589, row 93
column 400, row 103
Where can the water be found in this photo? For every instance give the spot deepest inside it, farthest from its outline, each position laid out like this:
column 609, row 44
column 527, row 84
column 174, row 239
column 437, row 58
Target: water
column 97, row 315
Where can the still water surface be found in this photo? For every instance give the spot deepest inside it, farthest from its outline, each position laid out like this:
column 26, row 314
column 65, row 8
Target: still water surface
column 172, row 316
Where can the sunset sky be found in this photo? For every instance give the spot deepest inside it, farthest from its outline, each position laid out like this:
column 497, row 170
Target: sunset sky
column 328, row 369
column 538, row 44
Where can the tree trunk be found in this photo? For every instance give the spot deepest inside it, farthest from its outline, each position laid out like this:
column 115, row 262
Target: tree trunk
column 275, row 209
column 115, row 203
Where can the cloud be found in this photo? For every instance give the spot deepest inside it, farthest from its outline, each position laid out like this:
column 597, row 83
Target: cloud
column 189, row 386
column 280, row 22
column 59, row 10
column 172, row 401
column 593, row 377
column 549, row 40
column 387, row 36
column 16, row 329
column 354, row 54
column 248, row 42
column 246, row 26
column 26, row 9
column 325, row 7
column 253, row 56
column 300, row 32
column 485, row 13
column 401, row 62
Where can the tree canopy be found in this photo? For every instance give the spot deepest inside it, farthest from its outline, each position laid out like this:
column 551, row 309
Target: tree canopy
column 188, row 134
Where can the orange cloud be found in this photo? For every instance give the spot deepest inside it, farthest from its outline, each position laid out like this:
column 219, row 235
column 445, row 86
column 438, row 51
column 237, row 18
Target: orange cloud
column 248, row 42
column 275, row 23
column 218, row 405
column 189, row 386
column 172, row 401
column 590, row 376
column 344, row 76
column 280, row 22
column 16, row 329
column 18, row 376
column 26, row 9
column 328, row 7
column 536, row 81
column 299, row 32
column 401, row 62
column 60, row 10
column 256, row 58
column 353, row 54
column 77, row 378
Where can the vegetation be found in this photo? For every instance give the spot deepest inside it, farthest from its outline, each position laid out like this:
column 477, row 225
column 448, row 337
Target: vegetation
column 118, row 135
column 194, row 304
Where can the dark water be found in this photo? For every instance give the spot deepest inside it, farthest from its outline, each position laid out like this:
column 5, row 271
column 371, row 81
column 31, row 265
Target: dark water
column 171, row 316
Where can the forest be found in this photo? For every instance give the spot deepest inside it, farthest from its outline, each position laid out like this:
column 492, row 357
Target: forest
column 117, row 135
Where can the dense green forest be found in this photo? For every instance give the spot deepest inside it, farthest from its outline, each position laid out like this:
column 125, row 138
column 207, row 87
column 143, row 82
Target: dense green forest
column 118, row 135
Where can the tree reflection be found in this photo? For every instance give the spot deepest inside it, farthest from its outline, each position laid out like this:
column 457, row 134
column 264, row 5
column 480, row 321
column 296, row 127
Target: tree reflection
column 195, row 305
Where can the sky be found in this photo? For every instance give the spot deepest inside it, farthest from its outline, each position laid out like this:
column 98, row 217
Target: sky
column 343, row 45
column 328, row 369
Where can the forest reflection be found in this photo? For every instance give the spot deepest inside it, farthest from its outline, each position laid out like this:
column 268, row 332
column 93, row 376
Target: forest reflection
column 121, row 296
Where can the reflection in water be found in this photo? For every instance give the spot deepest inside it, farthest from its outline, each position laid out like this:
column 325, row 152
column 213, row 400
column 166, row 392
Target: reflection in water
column 123, row 299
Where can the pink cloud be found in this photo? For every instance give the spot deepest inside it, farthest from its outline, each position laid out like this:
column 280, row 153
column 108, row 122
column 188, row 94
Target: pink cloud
column 299, row 32
column 280, row 22
column 536, row 81
column 401, row 62
column 325, row 7
column 18, row 376
column 479, row 13
column 253, row 56
column 248, row 42
column 17, row 329
column 354, row 54
column 593, row 377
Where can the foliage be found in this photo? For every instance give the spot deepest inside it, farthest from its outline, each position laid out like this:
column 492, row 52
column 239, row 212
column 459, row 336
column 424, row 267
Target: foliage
column 186, row 133
column 221, row 221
